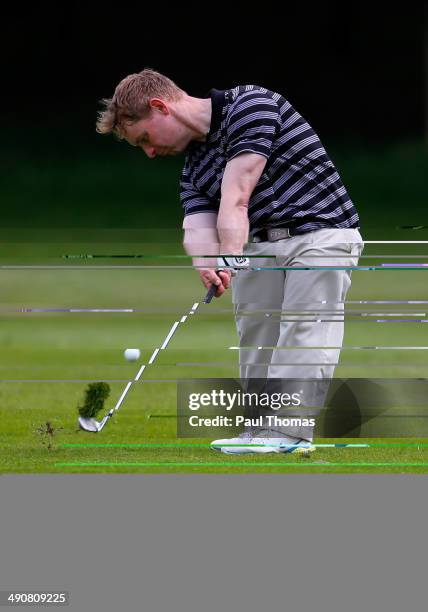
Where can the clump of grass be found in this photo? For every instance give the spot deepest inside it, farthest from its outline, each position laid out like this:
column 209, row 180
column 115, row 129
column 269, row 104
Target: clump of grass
column 95, row 396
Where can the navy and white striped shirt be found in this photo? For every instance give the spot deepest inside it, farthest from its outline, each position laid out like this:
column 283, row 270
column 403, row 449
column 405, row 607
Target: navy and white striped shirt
column 299, row 186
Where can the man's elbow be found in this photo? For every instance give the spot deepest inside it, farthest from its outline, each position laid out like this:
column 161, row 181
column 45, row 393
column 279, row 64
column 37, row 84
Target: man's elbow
column 238, row 199
column 243, row 201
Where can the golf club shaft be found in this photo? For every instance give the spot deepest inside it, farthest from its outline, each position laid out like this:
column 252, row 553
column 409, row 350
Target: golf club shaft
column 141, row 370
column 124, row 394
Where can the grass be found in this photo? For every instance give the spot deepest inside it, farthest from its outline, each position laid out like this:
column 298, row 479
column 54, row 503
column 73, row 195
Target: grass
column 57, row 199
column 76, row 348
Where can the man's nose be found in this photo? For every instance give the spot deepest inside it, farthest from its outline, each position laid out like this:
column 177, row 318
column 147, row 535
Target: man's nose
column 149, row 151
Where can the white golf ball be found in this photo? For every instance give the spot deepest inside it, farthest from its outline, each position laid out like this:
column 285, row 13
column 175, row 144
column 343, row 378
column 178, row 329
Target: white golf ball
column 132, row 354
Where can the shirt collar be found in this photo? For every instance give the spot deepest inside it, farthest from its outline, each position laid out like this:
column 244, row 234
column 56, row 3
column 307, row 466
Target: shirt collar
column 218, row 102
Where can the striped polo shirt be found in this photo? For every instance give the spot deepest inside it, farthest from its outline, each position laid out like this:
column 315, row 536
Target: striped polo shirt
column 299, row 187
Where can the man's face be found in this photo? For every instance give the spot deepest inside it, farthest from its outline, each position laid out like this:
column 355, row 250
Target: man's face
column 159, row 133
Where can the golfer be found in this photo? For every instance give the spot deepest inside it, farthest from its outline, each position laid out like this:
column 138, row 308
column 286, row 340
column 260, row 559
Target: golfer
column 256, row 183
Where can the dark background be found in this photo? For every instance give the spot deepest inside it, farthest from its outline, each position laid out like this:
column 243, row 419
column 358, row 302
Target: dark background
column 356, row 73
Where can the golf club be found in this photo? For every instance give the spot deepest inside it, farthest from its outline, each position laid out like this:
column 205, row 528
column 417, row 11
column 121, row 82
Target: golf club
column 210, row 294
column 94, row 426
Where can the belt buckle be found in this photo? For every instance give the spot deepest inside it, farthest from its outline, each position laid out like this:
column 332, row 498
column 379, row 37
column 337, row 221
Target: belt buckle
column 279, row 233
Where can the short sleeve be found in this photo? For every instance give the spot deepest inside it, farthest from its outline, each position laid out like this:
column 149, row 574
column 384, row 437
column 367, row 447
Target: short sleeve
column 192, row 200
column 252, row 125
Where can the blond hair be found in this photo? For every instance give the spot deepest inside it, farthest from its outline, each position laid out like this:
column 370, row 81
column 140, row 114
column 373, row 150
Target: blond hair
column 131, row 98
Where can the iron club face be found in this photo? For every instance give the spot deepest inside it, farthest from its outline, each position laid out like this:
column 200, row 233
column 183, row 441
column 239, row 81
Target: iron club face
column 91, row 425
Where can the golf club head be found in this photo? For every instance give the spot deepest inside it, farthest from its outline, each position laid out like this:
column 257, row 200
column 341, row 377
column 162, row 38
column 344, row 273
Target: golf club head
column 103, row 422
column 90, row 425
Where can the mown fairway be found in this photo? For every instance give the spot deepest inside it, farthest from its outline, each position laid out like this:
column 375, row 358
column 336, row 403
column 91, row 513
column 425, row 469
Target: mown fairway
column 48, row 358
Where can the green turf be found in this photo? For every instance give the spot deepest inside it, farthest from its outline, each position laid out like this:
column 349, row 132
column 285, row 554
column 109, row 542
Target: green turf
column 57, row 197
column 36, row 348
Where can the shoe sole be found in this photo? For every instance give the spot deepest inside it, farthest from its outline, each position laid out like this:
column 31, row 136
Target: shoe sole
column 245, row 451
column 263, row 450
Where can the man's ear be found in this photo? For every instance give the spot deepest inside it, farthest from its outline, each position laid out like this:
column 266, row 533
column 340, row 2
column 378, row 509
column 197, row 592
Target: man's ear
column 159, row 105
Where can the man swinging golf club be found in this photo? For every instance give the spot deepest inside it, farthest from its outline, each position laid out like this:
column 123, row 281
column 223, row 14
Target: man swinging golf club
column 257, row 187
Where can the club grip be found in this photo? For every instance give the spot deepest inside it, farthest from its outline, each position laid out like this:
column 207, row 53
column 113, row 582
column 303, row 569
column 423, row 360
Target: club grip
column 210, row 293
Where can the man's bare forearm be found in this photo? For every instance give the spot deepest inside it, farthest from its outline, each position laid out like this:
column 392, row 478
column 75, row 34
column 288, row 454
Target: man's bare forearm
column 201, row 238
column 233, row 224
column 240, row 178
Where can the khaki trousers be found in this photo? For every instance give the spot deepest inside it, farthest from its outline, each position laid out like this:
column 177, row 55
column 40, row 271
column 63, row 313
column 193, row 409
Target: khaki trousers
column 290, row 322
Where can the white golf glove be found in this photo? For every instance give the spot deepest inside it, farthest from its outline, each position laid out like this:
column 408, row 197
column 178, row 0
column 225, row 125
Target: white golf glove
column 232, row 263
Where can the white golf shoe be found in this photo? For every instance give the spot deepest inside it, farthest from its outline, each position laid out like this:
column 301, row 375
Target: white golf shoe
column 246, row 444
